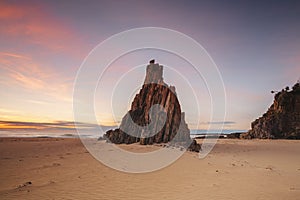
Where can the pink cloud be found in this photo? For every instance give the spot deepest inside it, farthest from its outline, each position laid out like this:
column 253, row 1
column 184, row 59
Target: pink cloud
column 30, row 82
column 23, row 64
column 11, row 11
column 22, row 72
column 36, row 25
column 14, row 55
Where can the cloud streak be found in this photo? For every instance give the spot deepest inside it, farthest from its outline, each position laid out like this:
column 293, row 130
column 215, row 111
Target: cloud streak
column 22, row 71
column 48, row 126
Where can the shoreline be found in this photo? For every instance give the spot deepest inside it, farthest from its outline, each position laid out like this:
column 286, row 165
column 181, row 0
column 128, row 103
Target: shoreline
column 198, row 137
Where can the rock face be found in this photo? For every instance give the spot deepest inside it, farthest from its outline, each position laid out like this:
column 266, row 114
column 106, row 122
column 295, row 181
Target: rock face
column 166, row 124
column 154, row 74
column 282, row 120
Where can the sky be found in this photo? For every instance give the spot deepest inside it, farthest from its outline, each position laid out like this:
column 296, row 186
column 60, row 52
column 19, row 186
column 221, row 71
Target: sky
column 255, row 45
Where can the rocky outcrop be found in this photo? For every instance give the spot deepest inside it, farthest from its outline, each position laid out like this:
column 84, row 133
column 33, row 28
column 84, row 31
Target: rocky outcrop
column 155, row 115
column 282, row 120
column 234, row 135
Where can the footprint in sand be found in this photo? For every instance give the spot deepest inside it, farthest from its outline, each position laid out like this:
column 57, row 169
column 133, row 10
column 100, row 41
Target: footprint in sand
column 24, row 184
column 47, row 166
column 269, row 168
column 56, row 164
column 216, row 186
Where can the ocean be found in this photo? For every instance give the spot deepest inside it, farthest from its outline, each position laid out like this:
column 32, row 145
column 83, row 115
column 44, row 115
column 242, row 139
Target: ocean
column 93, row 134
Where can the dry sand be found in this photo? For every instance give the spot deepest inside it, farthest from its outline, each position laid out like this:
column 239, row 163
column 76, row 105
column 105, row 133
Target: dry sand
column 235, row 169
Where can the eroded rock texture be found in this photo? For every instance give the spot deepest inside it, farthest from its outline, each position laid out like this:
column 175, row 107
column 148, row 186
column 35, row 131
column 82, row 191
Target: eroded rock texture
column 282, row 120
column 168, row 127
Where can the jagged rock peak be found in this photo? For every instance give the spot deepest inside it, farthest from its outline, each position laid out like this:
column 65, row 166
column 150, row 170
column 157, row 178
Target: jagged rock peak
column 140, row 125
column 154, row 73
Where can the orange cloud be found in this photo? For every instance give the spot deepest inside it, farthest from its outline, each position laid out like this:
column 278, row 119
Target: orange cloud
column 53, row 125
column 23, row 72
column 14, row 55
column 37, row 26
column 22, row 66
column 10, row 11
column 30, row 82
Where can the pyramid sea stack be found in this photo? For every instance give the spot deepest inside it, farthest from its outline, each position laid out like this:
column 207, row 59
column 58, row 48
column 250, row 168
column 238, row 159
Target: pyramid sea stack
column 171, row 128
column 282, row 120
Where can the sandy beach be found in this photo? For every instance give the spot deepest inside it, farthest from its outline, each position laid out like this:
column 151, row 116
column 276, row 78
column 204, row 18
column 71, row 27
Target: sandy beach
column 49, row 168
